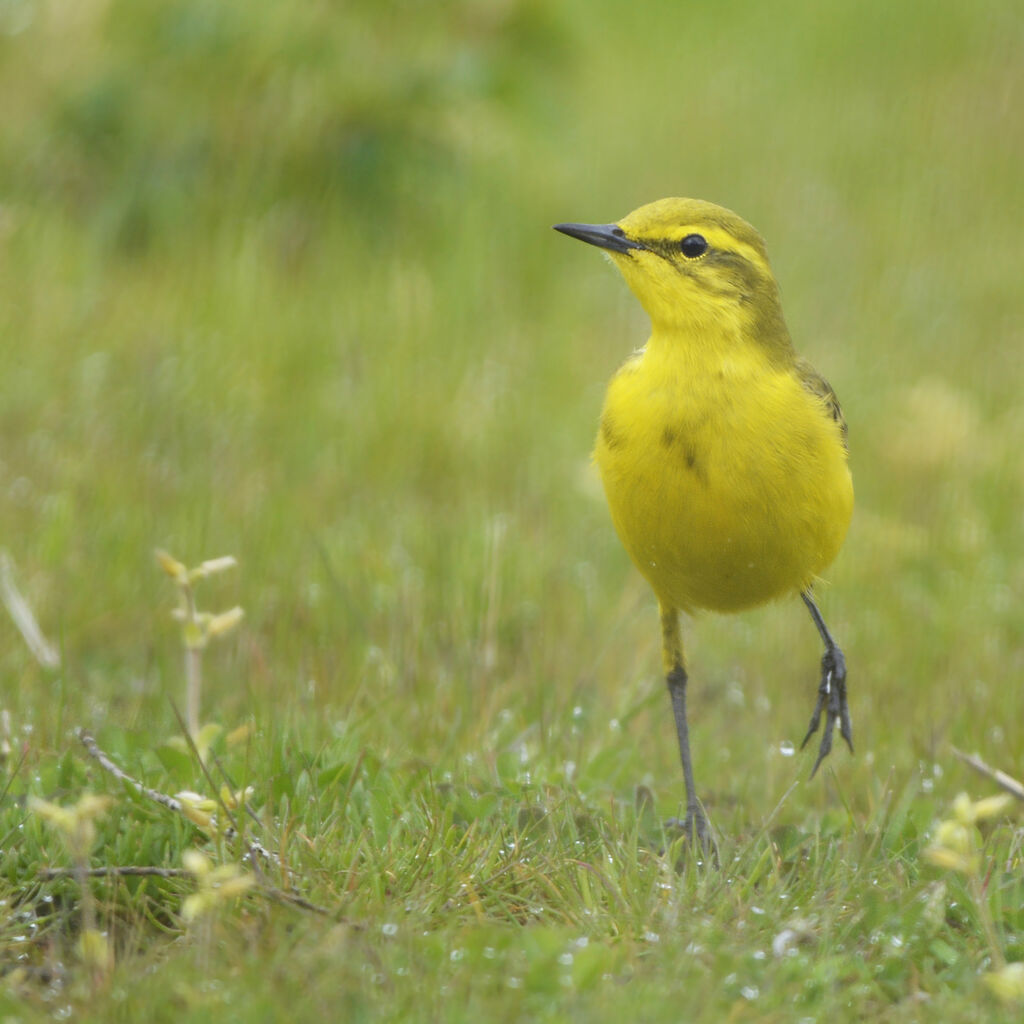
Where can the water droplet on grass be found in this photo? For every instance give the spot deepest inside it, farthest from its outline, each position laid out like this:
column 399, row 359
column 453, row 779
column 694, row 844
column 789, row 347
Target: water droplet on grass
column 784, row 943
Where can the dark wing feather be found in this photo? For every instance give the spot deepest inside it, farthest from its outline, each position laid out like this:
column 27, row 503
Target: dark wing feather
column 817, row 385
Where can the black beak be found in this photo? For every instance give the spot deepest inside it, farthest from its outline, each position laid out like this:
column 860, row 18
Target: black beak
column 604, row 236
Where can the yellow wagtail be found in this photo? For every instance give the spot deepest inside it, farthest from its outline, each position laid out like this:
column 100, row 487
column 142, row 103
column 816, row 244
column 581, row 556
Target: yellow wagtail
column 722, row 453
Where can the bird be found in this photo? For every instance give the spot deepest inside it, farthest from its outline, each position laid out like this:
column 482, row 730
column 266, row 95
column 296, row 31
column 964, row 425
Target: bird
column 722, row 453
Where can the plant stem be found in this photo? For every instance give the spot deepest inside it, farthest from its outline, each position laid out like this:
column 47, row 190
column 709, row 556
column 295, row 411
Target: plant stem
column 193, row 688
column 987, row 924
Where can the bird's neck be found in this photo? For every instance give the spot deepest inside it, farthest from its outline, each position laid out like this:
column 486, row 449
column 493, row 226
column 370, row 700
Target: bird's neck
column 709, row 342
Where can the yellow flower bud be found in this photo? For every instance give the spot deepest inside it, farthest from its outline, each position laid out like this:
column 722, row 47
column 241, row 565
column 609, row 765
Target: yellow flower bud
column 1007, row 983
column 171, row 565
column 224, row 622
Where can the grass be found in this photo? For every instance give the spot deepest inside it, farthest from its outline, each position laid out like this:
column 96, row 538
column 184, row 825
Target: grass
column 283, row 287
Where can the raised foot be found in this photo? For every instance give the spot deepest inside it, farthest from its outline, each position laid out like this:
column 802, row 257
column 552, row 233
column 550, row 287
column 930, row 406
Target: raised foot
column 831, row 699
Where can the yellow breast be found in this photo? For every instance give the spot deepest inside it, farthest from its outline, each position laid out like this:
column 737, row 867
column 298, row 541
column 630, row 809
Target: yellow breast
column 727, row 479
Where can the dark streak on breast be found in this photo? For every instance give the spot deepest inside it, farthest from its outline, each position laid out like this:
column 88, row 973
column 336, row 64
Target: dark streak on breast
column 670, row 437
column 695, row 467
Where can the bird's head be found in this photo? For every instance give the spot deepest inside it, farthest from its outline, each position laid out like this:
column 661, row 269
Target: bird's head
column 693, row 264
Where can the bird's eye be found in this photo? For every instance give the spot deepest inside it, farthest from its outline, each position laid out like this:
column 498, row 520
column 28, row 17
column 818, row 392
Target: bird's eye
column 694, row 246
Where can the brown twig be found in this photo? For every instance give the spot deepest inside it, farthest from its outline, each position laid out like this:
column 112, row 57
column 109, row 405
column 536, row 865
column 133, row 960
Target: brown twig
column 113, row 871
column 293, row 899
column 1001, row 779
column 148, row 871
column 255, row 849
column 107, row 765
column 24, row 618
column 170, row 802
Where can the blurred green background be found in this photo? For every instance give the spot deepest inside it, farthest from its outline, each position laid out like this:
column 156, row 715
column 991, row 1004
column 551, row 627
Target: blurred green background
column 278, row 281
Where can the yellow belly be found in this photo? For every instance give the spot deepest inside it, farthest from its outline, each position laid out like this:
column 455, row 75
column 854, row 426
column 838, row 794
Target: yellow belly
column 727, row 489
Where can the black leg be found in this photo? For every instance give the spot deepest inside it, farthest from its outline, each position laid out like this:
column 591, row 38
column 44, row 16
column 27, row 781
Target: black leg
column 695, row 824
column 831, row 691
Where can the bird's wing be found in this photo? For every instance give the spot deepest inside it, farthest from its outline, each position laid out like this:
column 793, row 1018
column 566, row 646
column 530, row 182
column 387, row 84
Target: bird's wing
column 817, row 385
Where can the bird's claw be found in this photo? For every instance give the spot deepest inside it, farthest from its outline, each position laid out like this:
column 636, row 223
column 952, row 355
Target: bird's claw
column 697, row 831
column 831, row 699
